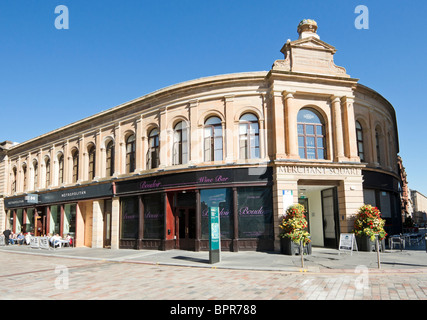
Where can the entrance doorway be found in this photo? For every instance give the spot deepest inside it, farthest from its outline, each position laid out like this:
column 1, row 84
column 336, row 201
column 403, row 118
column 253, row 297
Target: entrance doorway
column 40, row 222
column 321, row 203
column 107, row 223
column 186, row 228
column 330, row 218
column 185, row 220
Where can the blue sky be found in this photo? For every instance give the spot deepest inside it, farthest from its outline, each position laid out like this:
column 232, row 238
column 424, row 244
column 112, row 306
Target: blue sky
column 115, row 51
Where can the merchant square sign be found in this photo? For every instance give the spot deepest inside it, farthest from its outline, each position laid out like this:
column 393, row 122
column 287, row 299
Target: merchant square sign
column 316, row 170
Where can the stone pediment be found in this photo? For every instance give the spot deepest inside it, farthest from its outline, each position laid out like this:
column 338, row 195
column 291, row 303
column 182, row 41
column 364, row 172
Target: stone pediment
column 313, row 43
column 310, row 55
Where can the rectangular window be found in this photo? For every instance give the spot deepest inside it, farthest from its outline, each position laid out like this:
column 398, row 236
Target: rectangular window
column 255, row 212
column 223, row 199
column 55, row 220
column 385, row 204
column 29, row 225
column 19, row 219
column 369, row 196
column 129, row 218
column 154, row 216
column 69, row 226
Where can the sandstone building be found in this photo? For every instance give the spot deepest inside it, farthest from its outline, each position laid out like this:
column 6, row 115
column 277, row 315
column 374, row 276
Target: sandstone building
column 145, row 173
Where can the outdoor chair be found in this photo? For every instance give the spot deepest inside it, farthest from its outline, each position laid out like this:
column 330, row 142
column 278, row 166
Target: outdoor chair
column 397, row 240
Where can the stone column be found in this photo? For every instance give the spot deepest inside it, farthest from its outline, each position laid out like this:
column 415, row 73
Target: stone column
column 98, row 224
column 139, row 165
column 227, row 134
column 115, row 223
column 350, row 199
column 337, row 130
column 163, row 138
column 98, row 155
column 118, row 147
column 291, row 114
column 281, row 182
column 82, row 159
column 194, row 134
column 349, row 126
column 278, row 117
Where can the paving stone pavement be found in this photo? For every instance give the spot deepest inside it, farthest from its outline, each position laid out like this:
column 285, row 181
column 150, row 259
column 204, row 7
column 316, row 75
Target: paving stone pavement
column 126, row 276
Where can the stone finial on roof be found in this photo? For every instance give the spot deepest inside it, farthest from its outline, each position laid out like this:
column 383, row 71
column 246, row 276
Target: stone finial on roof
column 307, row 28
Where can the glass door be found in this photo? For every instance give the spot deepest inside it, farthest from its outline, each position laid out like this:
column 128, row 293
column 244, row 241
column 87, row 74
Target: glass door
column 330, row 218
column 186, row 228
column 40, row 222
column 107, row 223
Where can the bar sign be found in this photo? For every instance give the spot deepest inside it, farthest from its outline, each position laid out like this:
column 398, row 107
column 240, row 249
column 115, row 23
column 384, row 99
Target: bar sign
column 32, row 198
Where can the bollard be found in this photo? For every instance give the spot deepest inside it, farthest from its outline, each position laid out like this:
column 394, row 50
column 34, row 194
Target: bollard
column 301, row 252
column 377, row 242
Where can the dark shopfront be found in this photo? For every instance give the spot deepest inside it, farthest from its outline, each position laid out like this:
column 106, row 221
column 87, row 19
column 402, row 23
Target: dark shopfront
column 171, row 211
column 55, row 212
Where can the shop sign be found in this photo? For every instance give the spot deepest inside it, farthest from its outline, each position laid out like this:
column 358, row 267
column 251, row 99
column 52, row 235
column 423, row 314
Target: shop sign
column 87, row 192
column 32, row 198
column 315, row 170
column 214, row 236
column 63, row 195
column 288, row 199
column 196, row 179
column 22, row 201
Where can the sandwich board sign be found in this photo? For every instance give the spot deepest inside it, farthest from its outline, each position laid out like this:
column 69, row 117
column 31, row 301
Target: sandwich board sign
column 347, row 242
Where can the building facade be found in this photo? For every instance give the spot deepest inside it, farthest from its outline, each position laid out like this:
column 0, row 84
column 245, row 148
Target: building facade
column 144, row 174
column 419, row 214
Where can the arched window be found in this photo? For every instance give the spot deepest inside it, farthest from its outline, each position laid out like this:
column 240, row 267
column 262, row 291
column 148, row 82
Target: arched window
column 130, row 154
column 311, row 135
column 14, row 177
column 249, row 136
column 47, row 165
column 359, row 137
column 213, row 144
column 92, row 161
column 24, row 173
column 180, row 143
column 36, row 174
column 153, row 149
column 75, row 155
column 109, row 168
column 61, row 169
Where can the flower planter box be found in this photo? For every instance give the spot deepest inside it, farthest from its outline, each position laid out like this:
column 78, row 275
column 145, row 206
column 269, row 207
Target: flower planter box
column 364, row 243
column 288, row 247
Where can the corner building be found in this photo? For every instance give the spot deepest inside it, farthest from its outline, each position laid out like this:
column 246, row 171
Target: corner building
column 144, row 174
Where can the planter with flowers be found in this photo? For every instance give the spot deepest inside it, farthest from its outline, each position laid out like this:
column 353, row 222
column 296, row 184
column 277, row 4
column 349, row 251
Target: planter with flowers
column 294, row 230
column 368, row 227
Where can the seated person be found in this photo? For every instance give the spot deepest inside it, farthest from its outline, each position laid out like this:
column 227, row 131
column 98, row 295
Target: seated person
column 28, row 238
column 13, row 238
column 69, row 240
column 55, row 240
column 20, row 238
